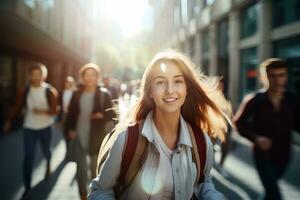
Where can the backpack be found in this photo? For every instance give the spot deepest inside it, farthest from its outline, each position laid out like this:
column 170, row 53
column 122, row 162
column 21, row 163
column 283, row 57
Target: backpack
column 135, row 154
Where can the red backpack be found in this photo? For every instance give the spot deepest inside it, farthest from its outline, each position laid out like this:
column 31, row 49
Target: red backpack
column 135, row 154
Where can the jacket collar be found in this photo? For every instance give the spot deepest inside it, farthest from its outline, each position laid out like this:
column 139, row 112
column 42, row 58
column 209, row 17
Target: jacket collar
column 184, row 136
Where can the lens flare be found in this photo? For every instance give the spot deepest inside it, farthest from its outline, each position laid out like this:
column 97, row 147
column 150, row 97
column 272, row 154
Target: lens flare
column 163, row 67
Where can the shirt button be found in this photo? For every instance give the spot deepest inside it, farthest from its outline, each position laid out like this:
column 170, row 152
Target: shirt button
column 179, row 191
column 177, row 170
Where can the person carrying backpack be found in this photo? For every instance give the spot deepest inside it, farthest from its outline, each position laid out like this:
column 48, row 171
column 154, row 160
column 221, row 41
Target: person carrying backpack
column 164, row 149
column 267, row 119
column 89, row 111
column 39, row 101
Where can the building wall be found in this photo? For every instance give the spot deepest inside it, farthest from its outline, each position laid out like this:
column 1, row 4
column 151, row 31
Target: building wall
column 54, row 32
column 253, row 29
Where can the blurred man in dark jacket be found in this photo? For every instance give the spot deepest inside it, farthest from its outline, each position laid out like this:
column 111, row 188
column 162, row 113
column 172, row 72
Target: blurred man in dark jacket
column 267, row 118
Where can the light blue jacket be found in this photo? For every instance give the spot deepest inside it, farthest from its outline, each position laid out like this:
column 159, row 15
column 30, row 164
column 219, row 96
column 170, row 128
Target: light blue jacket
column 142, row 187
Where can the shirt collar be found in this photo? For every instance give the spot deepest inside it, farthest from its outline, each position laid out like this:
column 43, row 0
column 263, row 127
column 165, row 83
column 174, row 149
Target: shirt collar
column 184, row 136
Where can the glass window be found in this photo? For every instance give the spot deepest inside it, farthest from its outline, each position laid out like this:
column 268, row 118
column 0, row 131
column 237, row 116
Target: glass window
column 289, row 49
column 248, row 71
column 205, row 50
column 184, row 10
column 194, row 8
column 223, row 58
column 223, row 38
column 30, row 3
column 205, row 43
column 204, row 66
column 208, row 2
column 249, row 21
column 284, row 12
column 192, row 45
column 176, row 17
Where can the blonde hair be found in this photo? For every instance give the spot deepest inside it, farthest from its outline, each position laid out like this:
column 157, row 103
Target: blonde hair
column 39, row 66
column 269, row 64
column 87, row 66
column 72, row 81
column 205, row 105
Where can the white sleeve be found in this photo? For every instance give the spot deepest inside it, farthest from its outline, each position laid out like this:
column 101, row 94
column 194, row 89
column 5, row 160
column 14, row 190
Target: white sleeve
column 206, row 190
column 102, row 186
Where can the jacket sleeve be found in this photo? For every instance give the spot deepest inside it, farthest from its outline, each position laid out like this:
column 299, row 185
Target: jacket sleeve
column 244, row 116
column 206, row 190
column 109, row 113
column 102, row 187
column 53, row 108
column 70, row 122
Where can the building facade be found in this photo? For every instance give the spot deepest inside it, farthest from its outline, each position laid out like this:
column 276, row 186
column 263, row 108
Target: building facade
column 229, row 38
column 54, row 32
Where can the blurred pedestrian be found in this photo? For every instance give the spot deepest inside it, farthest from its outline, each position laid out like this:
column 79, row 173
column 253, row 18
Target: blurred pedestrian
column 267, row 118
column 88, row 111
column 64, row 101
column 39, row 101
column 112, row 89
column 176, row 110
column 66, row 94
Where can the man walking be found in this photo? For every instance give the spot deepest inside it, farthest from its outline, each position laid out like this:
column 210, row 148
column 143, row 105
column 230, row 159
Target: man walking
column 39, row 101
column 267, row 118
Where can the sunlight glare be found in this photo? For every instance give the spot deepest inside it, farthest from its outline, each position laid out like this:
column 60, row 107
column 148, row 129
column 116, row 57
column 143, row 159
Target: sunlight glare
column 163, row 67
column 129, row 14
column 151, row 183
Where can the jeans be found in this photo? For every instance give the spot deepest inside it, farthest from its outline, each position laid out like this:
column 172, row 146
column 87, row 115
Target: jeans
column 269, row 173
column 30, row 138
column 83, row 166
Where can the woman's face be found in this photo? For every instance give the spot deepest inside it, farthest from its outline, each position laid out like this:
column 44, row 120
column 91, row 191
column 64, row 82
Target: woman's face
column 168, row 87
column 90, row 77
column 68, row 84
column 35, row 77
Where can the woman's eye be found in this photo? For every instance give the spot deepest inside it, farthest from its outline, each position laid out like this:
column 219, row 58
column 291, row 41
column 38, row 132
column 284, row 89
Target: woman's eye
column 159, row 82
column 178, row 81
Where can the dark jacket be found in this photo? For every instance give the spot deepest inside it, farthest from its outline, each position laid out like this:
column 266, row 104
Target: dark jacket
column 97, row 132
column 259, row 118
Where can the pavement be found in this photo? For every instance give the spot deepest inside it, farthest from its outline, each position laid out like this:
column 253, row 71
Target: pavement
column 238, row 180
column 60, row 186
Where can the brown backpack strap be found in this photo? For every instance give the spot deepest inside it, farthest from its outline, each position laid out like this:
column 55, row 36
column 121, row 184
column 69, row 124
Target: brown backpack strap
column 134, row 155
column 137, row 161
column 198, row 153
column 129, row 150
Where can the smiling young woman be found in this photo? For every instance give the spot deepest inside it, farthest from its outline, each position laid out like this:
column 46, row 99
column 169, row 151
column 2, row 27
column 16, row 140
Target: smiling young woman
column 173, row 98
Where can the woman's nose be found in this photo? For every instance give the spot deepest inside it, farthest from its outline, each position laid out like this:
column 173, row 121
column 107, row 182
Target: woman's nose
column 170, row 87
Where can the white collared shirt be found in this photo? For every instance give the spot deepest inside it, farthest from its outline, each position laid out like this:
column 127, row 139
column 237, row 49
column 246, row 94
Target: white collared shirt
column 146, row 183
column 165, row 180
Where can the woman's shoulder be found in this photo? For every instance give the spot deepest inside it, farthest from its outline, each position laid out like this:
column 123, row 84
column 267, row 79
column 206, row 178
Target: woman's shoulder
column 119, row 138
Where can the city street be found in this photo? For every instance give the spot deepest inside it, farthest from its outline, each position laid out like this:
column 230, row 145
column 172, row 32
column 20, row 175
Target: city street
column 243, row 180
column 76, row 60
column 240, row 181
column 60, row 186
